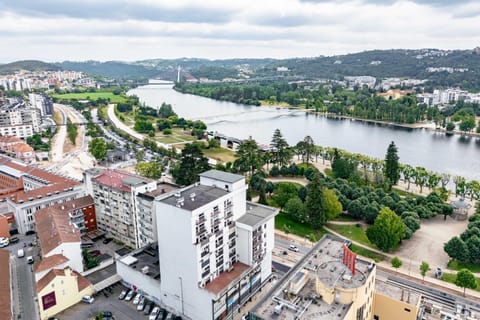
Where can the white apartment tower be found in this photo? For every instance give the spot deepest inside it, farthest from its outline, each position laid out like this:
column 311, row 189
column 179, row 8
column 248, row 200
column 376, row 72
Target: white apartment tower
column 214, row 247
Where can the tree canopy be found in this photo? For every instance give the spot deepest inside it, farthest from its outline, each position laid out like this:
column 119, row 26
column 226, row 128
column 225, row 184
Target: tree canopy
column 387, row 231
column 192, row 163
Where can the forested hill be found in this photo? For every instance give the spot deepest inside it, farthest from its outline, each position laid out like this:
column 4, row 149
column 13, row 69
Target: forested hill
column 30, row 65
column 110, row 69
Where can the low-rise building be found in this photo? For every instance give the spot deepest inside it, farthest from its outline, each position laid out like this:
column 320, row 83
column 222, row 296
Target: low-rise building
column 60, row 289
column 81, row 212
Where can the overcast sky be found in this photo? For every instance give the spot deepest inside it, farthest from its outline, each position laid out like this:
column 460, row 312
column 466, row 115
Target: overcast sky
column 57, row 30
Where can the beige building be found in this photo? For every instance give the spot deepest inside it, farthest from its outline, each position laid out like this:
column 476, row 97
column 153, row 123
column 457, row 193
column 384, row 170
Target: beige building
column 60, row 289
column 331, row 282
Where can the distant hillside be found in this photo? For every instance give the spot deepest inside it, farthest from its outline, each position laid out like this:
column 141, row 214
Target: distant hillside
column 30, row 65
column 110, row 69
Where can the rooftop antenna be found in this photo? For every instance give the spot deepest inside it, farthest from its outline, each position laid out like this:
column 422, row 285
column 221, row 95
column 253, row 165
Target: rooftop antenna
column 178, row 73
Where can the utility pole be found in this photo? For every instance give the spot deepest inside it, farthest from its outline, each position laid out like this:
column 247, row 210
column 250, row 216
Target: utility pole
column 181, row 294
column 178, row 73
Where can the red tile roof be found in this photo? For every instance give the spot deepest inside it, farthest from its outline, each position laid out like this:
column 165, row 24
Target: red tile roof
column 115, row 179
column 226, row 278
column 82, row 282
column 54, row 228
column 76, row 203
column 22, row 147
column 49, row 262
column 5, row 302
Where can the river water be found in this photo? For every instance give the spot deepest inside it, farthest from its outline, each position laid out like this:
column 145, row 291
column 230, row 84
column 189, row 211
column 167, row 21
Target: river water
column 418, row 147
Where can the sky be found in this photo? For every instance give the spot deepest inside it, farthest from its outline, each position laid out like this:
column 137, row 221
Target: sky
column 58, row 30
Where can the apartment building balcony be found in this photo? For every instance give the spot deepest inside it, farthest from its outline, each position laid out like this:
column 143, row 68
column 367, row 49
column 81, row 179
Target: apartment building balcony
column 201, row 219
column 203, row 239
column 215, row 222
column 229, row 214
column 201, row 231
column 219, row 232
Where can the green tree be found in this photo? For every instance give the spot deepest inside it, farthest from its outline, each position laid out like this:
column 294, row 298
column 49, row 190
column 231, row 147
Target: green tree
column 152, row 170
column 296, row 209
column 456, row 249
column 98, row 148
column 396, row 263
column 424, row 268
column 166, row 111
column 314, row 203
column 387, row 231
column 333, row 207
column 284, row 192
column 465, row 279
column 192, row 163
column 450, row 126
column 467, row 124
column 280, row 150
column 213, row 143
column 249, row 158
column 391, row 169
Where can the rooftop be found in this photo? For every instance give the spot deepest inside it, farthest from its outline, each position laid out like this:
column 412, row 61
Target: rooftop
column 256, row 214
column 222, row 176
column 162, row 188
column 194, row 197
column 297, row 290
column 76, row 203
column 394, row 291
column 54, row 228
column 5, row 302
column 120, row 180
column 226, row 278
column 49, row 262
column 144, row 260
column 82, row 282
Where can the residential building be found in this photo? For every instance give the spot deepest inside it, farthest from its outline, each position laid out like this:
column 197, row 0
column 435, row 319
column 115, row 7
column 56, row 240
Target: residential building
column 42, row 103
column 16, row 148
column 58, row 236
column 81, row 212
column 115, row 194
column 25, row 189
column 6, row 312
column 331, row 282
column 146, row 212
column 16, row 119
column 214, row 249
column 60, row 289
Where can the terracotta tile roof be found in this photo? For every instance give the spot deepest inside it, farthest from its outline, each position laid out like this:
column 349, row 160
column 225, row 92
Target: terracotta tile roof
column 22, row 147
column 82, row 282
column 43, row 191
column 52, row 274
column 76, row 203
column 226, row 278
column 49, row 262
column 54, row 228
column 10, row 139
column 5, row 302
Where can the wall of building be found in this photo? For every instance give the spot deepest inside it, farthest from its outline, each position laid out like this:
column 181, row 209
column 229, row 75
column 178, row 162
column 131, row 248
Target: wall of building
column 73, row 252
column 386, row 308
column 150, row 287
column 65, row 289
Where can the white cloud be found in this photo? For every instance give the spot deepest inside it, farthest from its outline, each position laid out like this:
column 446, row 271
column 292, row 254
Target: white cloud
column 125, row 29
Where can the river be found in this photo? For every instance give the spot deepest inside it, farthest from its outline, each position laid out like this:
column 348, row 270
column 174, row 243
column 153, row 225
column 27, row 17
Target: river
column 418, row 147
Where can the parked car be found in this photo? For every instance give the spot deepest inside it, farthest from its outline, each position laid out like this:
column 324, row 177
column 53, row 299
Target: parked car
column 161, row 314
column 141, row 304
column 148, row 308
column 14, row 240
column 438, row 272
column 105, row 315
column 137, row 298
column 88, row 299
column 154, row 313
column 130, row 295
column 123, row 294
column 20, row 253
column 4, row 242
column 107, row 240
column 29, row 232
column 170, row 316
column 30, row 260
column 293, row 248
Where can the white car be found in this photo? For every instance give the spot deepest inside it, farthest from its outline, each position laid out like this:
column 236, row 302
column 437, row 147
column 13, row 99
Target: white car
column 20, row 253
column 293, row 248
column 154, row 314
column 130, row 295
column 4, row 242
column 141, row 304
column 137, row 298
column 88, row 299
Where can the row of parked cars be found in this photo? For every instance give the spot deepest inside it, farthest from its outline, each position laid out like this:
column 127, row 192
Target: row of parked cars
column 149, row 308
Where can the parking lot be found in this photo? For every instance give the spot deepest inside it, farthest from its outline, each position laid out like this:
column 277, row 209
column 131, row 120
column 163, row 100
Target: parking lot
column 122, row 310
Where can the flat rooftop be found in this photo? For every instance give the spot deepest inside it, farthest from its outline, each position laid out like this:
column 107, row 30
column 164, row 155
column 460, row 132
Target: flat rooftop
column 144, row 260
column 323, row 262
column 394, row 291
column 227, row 277
column 256, row 214
column 194, row 197
column 222, row 176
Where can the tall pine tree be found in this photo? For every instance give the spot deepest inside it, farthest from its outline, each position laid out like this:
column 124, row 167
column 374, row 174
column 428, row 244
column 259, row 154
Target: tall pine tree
column 391, row 169
column 314, row 204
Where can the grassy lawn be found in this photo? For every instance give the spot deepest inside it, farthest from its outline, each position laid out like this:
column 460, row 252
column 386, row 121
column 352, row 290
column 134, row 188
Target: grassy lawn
column 303, row 230
column 346, row 218
column 220, row 154
column 178, row 135
column 450, row 277
column 91, row 96
column 352, row 232
column 457, row 266
column 367, row 253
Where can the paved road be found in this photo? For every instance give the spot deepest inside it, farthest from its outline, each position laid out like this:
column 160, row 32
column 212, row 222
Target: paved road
column 24, row 294
column 61, row 135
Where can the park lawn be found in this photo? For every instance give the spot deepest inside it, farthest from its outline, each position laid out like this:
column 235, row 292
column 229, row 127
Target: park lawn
column 457, row 266
column 367, row 253
column 352, row 232
column 177, row 136
column 450, row 277
column 346, row 218
column 299, row 229
column 221, row 154
column 93, row 96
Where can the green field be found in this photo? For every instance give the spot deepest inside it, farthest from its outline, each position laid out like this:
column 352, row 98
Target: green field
column 220, row 154
column 450, row 277
column 457, row 265
column 367, row 253
column 352, row 232
column 284, row 223
column 93, row 96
